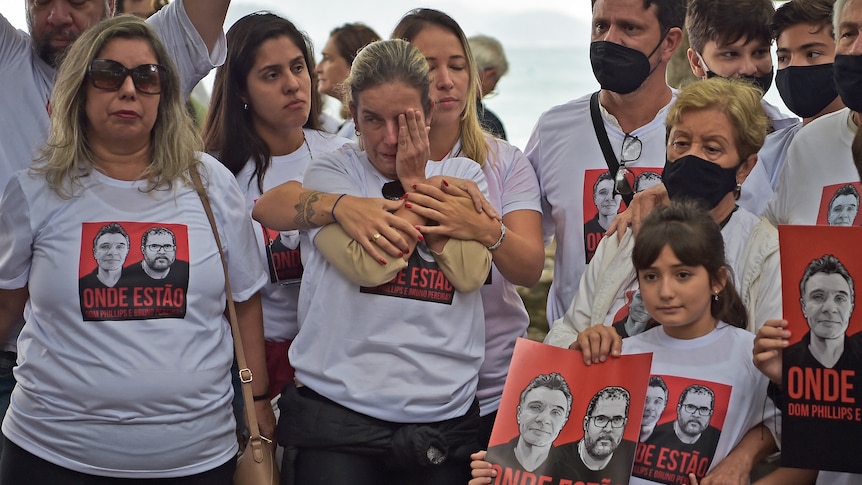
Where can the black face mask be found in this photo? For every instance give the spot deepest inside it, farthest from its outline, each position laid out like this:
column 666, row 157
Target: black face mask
column 806, row 90
column 695, row 178
column 848, row 80
column 619, row 68
column 763, row 82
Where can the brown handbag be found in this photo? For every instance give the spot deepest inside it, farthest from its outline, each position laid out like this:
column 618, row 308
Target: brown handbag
column 256, row 463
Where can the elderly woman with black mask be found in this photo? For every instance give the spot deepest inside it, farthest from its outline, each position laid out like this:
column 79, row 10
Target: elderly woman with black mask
column 714, row 131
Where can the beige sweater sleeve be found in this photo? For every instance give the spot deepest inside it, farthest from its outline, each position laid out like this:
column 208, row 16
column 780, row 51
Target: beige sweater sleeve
column 349, row 257
column 465, row 264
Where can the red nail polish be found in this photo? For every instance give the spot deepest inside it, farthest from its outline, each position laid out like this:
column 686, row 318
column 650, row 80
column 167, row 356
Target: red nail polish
column 408, row 205
column 422, row 238
column 403, row 196
column 383, row 261
column 401, row 255
column 406, row 251
column 414, row 186
column 446, row 183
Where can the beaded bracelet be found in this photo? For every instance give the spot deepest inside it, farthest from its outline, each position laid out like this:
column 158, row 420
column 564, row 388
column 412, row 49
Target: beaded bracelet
column 497, row 244
column 332, row 211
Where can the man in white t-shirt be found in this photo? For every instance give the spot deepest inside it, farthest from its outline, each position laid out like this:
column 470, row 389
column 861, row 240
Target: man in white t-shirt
column 819, row 159
column 632, row 42
column 190, row 29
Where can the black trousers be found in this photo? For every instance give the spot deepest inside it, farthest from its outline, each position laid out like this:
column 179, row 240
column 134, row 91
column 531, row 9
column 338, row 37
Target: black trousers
column 20, row 467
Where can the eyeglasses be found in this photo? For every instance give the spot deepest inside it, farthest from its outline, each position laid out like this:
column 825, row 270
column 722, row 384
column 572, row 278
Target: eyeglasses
column 601, row 421
column 691, row 409
column 393, row 190
column 625, row 179
column 110, row 75
column 161, row 247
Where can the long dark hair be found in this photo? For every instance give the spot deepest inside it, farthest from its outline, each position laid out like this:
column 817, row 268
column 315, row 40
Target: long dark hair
column 228, row 130
column 696, row 240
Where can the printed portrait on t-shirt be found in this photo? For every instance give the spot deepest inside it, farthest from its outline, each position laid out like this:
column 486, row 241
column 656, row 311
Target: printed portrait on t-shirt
column 133, row 271
column 822, row 374
column 561, row 421
column 422, row 279
column 283, row 256
column 632, row 318
column 602, row 203
column 680, row 429
column 839, row 205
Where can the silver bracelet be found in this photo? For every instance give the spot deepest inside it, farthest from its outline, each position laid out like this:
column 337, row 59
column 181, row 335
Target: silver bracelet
column 497, row 244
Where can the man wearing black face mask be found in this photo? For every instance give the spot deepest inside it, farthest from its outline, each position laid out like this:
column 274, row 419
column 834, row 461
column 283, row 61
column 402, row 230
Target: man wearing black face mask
column 802, row 30
column 632, row 42
column 819, row 159
column 731, row 39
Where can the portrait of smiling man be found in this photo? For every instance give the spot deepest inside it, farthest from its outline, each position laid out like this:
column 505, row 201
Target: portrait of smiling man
column 543, row 411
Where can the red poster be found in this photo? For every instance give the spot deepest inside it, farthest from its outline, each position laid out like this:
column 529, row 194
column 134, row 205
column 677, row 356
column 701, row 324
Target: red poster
column 562, row 422
column 822, row 388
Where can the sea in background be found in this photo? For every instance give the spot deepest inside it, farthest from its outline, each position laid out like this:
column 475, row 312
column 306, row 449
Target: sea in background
column 540, row 78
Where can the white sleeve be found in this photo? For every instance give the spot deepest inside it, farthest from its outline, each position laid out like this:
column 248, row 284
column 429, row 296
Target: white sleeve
column 16, row 237
column 245, row 270
column 186, row 47
column 533, row 151
column 577, row 318
column 768, row 300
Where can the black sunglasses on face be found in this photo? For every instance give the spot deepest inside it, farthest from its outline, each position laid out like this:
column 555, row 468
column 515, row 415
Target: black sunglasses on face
column 110, row 75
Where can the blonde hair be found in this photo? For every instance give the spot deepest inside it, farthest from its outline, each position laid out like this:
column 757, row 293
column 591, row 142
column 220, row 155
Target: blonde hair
column 736, row 98
column 67, row 155
column 473, row 143
column 386, row 62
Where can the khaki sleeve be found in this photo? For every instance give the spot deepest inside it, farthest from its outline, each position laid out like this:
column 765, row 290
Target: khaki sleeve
column 351, row 259
column 465, row 264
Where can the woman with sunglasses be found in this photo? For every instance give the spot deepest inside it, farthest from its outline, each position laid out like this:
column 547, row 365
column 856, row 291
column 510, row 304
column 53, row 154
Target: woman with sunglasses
column 132, row 381
column 260, row 126
column 715, row 129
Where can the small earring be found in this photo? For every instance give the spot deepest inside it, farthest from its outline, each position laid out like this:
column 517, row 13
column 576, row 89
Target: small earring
column 715, row 296
column 357, row 132
column 245, row 106
column 737, row 191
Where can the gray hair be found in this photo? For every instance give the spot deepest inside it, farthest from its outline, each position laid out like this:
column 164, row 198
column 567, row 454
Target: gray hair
column 488, row 53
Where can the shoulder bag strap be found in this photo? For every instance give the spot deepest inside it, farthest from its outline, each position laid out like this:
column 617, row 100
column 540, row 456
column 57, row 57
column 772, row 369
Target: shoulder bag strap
column 244, row 372
column 602, row 136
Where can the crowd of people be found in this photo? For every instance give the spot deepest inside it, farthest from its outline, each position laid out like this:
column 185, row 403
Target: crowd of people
column 374, row 256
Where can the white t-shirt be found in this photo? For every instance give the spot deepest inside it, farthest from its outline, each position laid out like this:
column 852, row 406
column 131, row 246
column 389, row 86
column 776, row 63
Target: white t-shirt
column 512, row 186
column 134, row 380
column 721, row 361
column 394, row 358
column 760, row 185
column 567, row 158
column 279, row 297
column 756, row 272
column 27, row 83
column 819, row 162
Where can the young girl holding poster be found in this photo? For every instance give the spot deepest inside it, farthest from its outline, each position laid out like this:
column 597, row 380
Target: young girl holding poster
column 700, row 350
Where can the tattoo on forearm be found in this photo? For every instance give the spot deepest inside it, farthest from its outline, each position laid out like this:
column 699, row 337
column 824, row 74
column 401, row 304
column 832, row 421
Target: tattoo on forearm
column 305, row 209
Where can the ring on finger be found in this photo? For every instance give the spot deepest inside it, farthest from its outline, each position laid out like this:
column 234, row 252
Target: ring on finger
column 376, row 236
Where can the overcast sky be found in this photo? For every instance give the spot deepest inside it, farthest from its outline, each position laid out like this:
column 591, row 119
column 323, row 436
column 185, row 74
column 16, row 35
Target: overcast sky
column 514, row 22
